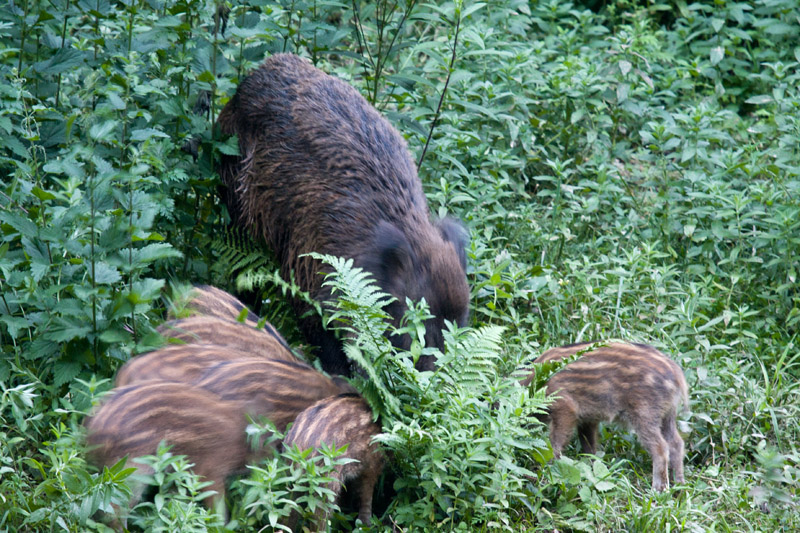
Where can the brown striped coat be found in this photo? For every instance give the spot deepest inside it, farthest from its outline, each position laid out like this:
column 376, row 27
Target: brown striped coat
column 340, row 420
column 213, row 330
column 634, row 385
column 212, row 301
column 197, row 423
column 185, row 363
column 277, row 390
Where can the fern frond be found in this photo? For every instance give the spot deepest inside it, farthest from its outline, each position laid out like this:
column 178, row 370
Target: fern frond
column 358, row 312
column 356, row 287
column 238, row 252
column 473, row 358
column 265, row 277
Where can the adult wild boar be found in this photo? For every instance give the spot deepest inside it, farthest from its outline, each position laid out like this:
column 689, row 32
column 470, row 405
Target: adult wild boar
column 320, row 170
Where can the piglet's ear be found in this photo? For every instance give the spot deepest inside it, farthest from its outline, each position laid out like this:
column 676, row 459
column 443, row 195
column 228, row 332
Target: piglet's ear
column 453, row 230
column 389, row 258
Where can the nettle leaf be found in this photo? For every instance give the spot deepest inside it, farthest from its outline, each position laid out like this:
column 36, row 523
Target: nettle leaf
column 760, row 99
column 104, row 131
column 147, row 133
column 229, row 147
column 154, row 252
column 24, row 226
column 65, row 330
column 103, row 273
column 14, row 324
column 65, row 371
column 40, row 348
column 145, row 290
column 717, row 54
column 63, row 60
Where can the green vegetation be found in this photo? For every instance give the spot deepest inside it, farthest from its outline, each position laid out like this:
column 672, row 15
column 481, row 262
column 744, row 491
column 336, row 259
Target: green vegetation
column 626, row 169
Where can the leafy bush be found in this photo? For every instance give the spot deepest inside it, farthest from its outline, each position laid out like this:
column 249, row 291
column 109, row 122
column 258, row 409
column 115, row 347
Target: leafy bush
column 626, row 169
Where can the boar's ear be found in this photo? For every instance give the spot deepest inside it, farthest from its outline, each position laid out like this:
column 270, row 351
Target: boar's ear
column 454, row 231
column 388, row 258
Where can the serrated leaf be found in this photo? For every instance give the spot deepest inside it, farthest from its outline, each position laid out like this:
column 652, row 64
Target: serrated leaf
column 40, row 348
column 42, row 195
column 64, row 331
column 717, row 53
column 147, row 133
column 115, row 101
column 779, row 28
column 64, row 372
column 230, row 147
column 64, row 59
column 154, row 252
column 104, row 273
column 145, row 290
column 622, row 92
column 67, row 166
column 25, row 227
column 717, row 24
column 113, row 336
column 103, row 130
column 760, row 99
column 624, row 66
column 14, row 324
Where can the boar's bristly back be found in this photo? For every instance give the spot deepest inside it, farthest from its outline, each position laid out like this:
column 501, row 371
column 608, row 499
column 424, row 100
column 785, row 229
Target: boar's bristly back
column 322, row 171
column 212, row 330
column 278, row 390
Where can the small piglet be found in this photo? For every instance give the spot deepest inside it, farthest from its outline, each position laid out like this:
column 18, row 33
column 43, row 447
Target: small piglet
column 340, row 420
column 185, row 363
column 211, row 301
column 197, row 423
column 277, row 390
column 632, row 384
column 213, row 330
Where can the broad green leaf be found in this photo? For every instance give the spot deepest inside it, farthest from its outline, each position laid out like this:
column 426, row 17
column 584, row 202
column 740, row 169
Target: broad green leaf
column 147, row 133
column 104, row 273
column 717, row 54
column 154, row 252
column 760, row 99
column 64, row 59
column 65, row 371
column 104, row 131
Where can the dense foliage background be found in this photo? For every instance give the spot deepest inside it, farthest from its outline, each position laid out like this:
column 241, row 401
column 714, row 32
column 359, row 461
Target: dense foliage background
column 626, row 169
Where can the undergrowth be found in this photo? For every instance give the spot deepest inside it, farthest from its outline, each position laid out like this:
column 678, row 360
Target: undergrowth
column 625, row 169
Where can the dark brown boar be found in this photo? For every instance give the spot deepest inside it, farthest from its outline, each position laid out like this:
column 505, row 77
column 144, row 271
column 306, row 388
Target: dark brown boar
column 344, row 419
column 277, row 390
column 632, row 384
column 322, row 171
column 212, row 330
column 185, row 363
column 197, row 423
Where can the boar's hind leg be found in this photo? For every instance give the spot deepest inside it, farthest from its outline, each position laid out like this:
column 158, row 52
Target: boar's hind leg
column 563, row 419
column 670, row 433
column 655, row 443
column 366, row 486
column 587, row 433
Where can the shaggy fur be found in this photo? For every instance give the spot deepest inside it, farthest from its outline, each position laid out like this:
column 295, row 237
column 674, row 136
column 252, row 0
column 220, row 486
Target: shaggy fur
column 345, row 419
column 634, row 385
column 320, row 170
